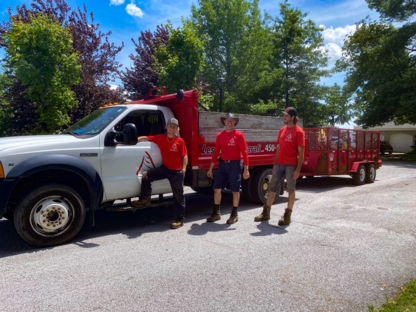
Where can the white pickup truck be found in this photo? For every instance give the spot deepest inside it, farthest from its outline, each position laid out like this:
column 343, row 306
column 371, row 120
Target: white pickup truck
column 48, row 182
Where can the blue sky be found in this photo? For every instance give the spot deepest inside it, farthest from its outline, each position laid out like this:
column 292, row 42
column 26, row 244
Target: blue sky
column 127, row 18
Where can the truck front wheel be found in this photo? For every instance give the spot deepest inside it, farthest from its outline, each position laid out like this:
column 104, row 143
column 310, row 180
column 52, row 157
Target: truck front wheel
column 49, row 215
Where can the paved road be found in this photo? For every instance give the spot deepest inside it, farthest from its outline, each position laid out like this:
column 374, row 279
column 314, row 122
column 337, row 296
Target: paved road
column 348, row 247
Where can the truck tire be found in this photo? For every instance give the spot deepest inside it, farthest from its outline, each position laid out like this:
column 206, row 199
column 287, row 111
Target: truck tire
column 259, row 186
column 49, row 215
column 360, row 176
column 371, row 174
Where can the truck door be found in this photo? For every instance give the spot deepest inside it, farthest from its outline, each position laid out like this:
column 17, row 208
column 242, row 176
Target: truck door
column 122, row 165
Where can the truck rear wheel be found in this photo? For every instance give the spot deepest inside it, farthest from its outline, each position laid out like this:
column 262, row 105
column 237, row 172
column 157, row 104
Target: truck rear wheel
column 371, row 174
column 360, row 176
column 259, row 186
column 49, row 215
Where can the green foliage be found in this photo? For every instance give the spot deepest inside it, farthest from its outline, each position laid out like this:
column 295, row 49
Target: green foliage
column 237, row 48
column 405, row 301
column 297, row 64
column 381, row 72
column 181, row 60
column 5, row 110
column 43, row 59
column 270, row 108
column 399, row 10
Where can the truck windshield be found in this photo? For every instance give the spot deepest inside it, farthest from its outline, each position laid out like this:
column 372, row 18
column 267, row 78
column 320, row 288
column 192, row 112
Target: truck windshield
column 95, row 122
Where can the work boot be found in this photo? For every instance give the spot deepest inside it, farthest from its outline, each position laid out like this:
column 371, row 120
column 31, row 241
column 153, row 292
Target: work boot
column 265, row 215
column 285, row 219
column 233, row 217
column 177, row 223
column 216, row 215
column 144, row 202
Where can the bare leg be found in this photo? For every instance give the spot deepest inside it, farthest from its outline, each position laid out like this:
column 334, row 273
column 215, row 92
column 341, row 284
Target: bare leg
column 270, row 198
column 217, row 196
column 291, row 200
column 236, row 199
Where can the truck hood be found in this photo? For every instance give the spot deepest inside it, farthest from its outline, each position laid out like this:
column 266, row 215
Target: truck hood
column 26, row 141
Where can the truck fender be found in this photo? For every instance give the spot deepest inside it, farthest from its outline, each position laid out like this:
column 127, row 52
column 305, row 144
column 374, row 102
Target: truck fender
column 62, row 162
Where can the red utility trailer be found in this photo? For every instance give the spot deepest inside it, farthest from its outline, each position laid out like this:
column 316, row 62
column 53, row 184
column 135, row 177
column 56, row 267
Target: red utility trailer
column 334, row 151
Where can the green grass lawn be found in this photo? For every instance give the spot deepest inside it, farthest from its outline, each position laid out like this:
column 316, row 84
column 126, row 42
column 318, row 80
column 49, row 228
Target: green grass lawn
column 405, row 301
column 409, row 155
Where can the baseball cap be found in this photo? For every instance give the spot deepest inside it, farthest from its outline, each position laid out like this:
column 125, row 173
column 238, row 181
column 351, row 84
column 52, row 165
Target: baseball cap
column 173, row 121
column 290, row 111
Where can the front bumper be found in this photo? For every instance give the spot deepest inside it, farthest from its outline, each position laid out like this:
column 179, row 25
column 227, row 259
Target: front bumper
column 6, row 188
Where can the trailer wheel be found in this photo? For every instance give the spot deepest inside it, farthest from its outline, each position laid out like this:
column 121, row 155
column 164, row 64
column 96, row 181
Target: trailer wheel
column 49, row 215
column 371, row 174
column 259, row 186
column 360, row 176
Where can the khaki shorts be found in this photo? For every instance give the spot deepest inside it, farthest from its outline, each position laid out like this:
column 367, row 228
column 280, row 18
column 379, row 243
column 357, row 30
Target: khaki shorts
column 278, row 174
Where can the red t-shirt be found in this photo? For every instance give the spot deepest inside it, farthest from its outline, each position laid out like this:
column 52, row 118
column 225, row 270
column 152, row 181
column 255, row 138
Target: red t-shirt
column 172, row 150
column 289, row 139
column 232, row 145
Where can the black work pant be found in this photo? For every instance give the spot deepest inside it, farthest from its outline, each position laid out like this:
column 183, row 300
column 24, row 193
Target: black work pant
column 175, row 178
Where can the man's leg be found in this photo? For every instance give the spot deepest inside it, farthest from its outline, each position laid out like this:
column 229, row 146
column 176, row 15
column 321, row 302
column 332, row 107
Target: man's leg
column 219, row 183
column 234, row 175
column 148, row 177
column 291, row 186
column 176, row 183
column 278, row 175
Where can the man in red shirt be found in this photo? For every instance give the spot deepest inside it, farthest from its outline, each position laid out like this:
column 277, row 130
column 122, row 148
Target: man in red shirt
column 231, row 146
column 175, row 159
column 287, row 163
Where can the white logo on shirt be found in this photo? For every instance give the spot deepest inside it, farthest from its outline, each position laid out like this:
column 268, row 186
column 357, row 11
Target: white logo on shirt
column 232, row 142
column 174, row 148
column 289, row 137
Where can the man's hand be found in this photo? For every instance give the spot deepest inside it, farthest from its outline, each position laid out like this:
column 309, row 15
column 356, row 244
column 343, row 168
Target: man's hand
column 209, row 173
column 296, row 174
column 246, row 174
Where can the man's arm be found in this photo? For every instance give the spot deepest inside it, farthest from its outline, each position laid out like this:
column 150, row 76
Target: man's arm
column 142, row 138
column 296, row 173
column 184, row 164
column 276, row 155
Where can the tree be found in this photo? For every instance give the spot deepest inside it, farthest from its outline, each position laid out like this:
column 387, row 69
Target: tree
column 96, row 56
column 380, row 69
column 143, row 75
column 237, row 47
column 5, row 109
column 181, row 60
column 298, row 63
column 42, row 56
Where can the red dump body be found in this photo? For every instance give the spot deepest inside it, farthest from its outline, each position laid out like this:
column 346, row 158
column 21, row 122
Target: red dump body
column 334, row 151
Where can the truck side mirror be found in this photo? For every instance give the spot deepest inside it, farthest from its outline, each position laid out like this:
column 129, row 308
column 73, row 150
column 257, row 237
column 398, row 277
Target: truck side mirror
column 128, row 135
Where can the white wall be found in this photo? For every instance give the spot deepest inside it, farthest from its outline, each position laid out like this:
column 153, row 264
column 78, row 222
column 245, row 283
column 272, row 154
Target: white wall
column 401, row 142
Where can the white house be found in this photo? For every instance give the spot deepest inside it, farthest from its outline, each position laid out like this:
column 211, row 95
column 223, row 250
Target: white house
column 401, row 137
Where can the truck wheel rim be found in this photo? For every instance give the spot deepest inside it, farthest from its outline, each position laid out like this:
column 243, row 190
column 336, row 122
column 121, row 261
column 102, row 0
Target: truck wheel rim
column 265, row 185
column 362, row 174
column 51, row 216
column 372, row 173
